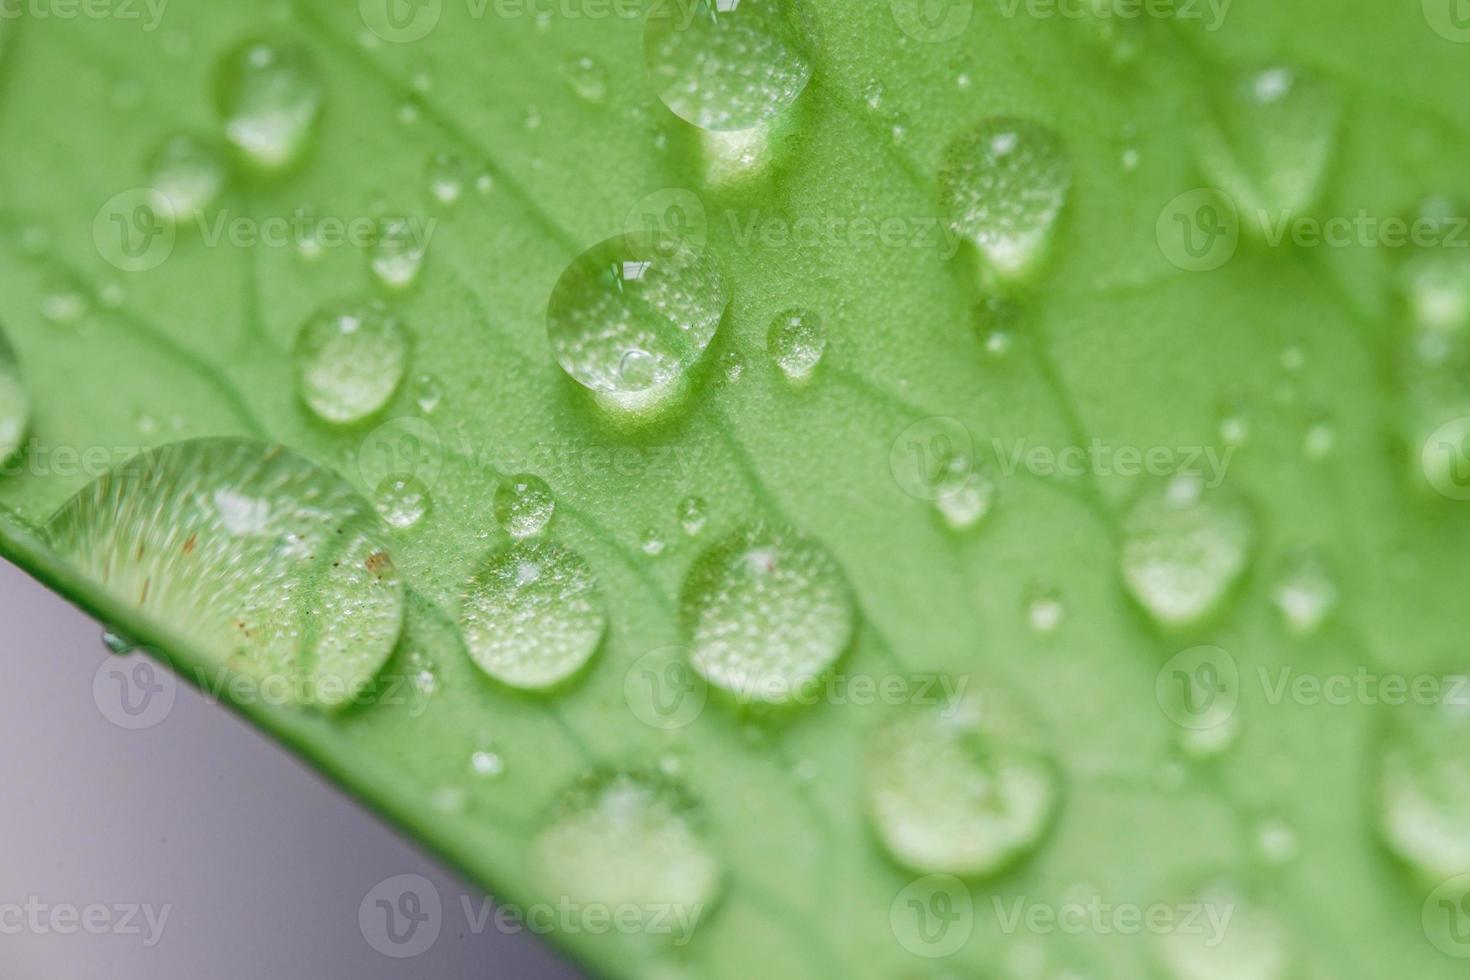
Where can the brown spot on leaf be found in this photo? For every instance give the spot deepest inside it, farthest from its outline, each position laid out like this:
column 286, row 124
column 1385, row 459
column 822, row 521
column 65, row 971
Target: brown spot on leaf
column 378, row 561
column 189, row 545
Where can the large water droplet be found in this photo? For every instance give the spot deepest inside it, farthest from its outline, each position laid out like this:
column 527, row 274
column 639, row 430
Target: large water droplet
column 729, row 69
column 15, row 402
column 1003, row 185
column 1236, row 939
column 532, row 615
column 962, row 788
column 189, row 173
column 796, row 341
column 765, row 613
column 258, row 559
column 350, row 360
column 524, row 505
column 269, row 95
column 629, row 840
column 1184, row 547
column 631, row 315
column 1423, row 779
column 1269, row 139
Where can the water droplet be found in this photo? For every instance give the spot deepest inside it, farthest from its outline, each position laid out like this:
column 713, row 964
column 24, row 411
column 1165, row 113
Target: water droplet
column 734, row 69
column 631, row 315
column 732, row 366
column 588, row 78
column 486, row 763
column 1210, row 741
column 693, row 513
column 765, row 613
column 1305, row 592
column 652, row 543
column 1044, row 609
column 1423, row 779
column 1251, row 946
column 532, row 118
column 873, row 92
column 264, row 562
column 532, row 615
column 966, row 493
column 1003, row 185
column 628, row 840
column 446, row 178
column 15, row 402
column 1235, row 428
column 117, row 644
column 269, row 95
column 1435, row 278
column 965, row 788
column 1269, row 139
column 350, row 360
column 189, row 173
column 796, row 341
column 1184, row 547
column 403, row 500
column 64, row 306
column 397, row 254
column 524, row 505
column 1277, row 841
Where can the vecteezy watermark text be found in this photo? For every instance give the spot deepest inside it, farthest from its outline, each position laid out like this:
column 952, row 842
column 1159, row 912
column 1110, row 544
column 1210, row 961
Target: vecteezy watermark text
column 1099, row 459
column 39, row 917
column 147, row 13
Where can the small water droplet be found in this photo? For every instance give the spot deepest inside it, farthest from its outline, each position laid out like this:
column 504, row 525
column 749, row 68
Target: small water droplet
column 1319, row 440
column 1044, row 609
column 117, row 644
column 1268, row 141
column 765, row 612
column 588, row 78
column 396, row 256
column 1184, row 547
column 962, row 789
column 269, row 96
column 628, row 840
column 1276, row 841
column 1423, row 779
column 403, row 500
column 349, row 360
column 729, row 69
column 189, row 173
column 1003, row 185
column 796, row 341
column 446, row 178
column 1305, row 591
column 428, row 392
column 693, row 513
column 532, row 615
column 873, row 92
column 656, row 301
column 1251, row 947
column 966, row 493
column 487, row 763
column 524, row 505
column 652, row 543
column 531, row 120
column 15, row 402
column 64, row 306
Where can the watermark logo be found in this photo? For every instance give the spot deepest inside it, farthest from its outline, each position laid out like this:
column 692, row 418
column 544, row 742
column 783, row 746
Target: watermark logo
column 924, row 456
column 401, row 916
column 670, row 214
column 402, row 447
column 133, row 692
column 933, row 917
column 663, row 691
column 1445, row 459
column 932, row 21
column 39, row 917
column 1446, row 917
column 1199, row 688
column 132, row 231
column 1450, row 19
column 1199, row 230
column 400, row 21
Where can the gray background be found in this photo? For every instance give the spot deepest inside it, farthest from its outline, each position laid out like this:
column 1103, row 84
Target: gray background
column 263, row 863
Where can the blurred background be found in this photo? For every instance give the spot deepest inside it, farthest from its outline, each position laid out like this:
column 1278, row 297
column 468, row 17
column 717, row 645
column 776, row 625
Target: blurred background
column 259, row 866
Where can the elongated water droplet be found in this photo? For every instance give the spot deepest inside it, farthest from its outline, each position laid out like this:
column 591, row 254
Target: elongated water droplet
column 1423, row 778
column 1305, row 592
column 189, row 173
column 1003, row 185
column 396, row 255
column 631, row 315
column 532, row 615
column 1184, row 547
column 269, row 96
column 724, row 66
column 796, row 341
column 628, row 840
column 15, row 402
column 1268, row 141
column 1246, row 942
column 350, row 360
column 964, row 788
column 524, row 505
column 264, row 562
column 765, row 613
column 403, row 500
column 693, row 512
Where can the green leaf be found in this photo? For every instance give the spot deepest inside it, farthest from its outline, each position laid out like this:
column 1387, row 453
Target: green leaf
column 1109, row 343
